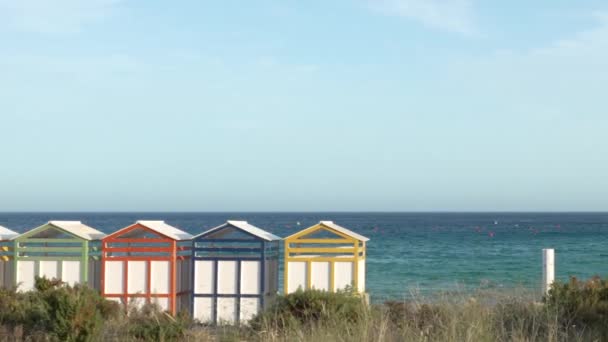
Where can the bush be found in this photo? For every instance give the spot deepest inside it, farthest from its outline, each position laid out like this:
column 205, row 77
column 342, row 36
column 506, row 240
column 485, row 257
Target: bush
column 581, row 303
column 152, row 324
column 59, row 311
column 306, row 308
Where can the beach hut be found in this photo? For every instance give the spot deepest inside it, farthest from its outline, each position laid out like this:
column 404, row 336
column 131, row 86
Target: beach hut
column 236, row 271
column 325, row 257
column 147, row 262
column 64, row 250
column 6, row 265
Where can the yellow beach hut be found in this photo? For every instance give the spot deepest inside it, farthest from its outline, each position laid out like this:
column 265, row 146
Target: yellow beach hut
column 6, row 269
column 325, row 256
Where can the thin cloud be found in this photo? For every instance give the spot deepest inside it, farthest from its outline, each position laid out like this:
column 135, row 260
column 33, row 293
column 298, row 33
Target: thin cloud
column 53, row 16
column 447, row 15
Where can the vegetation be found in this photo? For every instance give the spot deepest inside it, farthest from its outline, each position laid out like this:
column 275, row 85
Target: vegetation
column 573, row 311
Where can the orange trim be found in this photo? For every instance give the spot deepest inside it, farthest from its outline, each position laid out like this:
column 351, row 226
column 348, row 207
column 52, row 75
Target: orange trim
column 148, row 280
column 144, row 249
column 139, row 249
column 173, row 280
column 131, row 228
column 102, row 281
column 146, row 258
column 138, row 258
column 138, row 240
column 125, row 283
column 143, row 295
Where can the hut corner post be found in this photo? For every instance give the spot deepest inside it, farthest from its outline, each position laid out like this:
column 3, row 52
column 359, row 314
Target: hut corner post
column 548, row 269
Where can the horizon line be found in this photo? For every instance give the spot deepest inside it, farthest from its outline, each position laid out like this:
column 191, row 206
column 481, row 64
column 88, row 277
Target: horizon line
column 310, row 212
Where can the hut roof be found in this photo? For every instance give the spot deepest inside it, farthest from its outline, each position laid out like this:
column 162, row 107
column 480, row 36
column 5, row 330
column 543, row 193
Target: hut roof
column 246, row 227
column 77, row 228
column 343, row 230
column 169, row 231
column 332, row 225
column 7, row 234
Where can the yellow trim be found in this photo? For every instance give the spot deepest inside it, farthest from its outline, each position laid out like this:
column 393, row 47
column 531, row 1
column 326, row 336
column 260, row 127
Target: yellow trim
column 286, row 268
column 356, row 269
column 5, row 257
column 337, row 241
column 345, row 250
column 306, row 259
column 315, row 228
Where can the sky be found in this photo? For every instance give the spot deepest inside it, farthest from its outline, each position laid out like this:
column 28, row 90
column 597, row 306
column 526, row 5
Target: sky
column 345, row 105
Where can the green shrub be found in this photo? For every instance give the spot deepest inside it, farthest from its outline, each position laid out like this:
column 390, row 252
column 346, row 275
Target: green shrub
column 77, row 312
column 57, row 311
column 152, row 324
column 306, row 308
column 581, row 303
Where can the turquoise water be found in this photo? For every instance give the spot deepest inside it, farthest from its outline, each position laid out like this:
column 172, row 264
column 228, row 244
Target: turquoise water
column 423, row 252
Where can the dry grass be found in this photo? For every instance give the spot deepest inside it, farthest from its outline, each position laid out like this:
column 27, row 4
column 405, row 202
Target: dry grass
column 515, row 315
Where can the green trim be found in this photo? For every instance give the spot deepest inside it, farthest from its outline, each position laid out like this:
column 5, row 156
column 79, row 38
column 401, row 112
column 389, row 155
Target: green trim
column 49, row 258
column 49, row 249
column 42, row 240
column 15, row 259
column 84, row 263
column 42, row 228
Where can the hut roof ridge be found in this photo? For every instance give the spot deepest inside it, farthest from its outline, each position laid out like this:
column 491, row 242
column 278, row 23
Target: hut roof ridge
column 165, row 229
column 246, row 227
column 79, row 229
column 343, row 230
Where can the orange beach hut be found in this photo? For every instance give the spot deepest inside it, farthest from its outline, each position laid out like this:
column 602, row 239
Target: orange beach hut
column 147, row 262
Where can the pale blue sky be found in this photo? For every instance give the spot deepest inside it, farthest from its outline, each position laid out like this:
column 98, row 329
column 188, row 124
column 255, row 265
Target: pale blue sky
column 393, row 105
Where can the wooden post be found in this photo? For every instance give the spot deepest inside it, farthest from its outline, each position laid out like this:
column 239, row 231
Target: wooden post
column 548, row 269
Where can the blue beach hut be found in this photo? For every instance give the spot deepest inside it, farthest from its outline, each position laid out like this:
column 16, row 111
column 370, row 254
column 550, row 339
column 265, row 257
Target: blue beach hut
column 236, row 272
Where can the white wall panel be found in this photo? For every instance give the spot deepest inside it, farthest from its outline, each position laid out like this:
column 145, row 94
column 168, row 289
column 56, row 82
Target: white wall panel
column 48, row 269
column 250, row 277
column 297, row 275
column 26, row 271
column 203, row 309
column 114, row 271
column 320, row 275
column 138, row 275
column 226, row 310
column 204, row 276
column 361, row 276
column 70, row 271
column 227, row 277
column 343, row 273
column 159, row 276
column 249, row 307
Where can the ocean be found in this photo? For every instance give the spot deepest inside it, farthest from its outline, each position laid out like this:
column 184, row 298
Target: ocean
column 417, row 253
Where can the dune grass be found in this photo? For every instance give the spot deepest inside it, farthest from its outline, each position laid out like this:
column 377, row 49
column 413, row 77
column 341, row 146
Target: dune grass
column 574, row 311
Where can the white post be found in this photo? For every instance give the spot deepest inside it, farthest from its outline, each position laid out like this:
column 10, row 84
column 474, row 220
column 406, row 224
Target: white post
column 548, row 269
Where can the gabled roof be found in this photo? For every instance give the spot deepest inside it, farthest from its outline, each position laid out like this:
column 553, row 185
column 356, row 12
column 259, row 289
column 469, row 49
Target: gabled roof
column 7, row 234
column 343, row 230
column 332, row 225
column 164, row 229
column 76, row 228
column 246, row 227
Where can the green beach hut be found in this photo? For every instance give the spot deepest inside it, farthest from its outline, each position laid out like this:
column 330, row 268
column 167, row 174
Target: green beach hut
column 65, row 250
